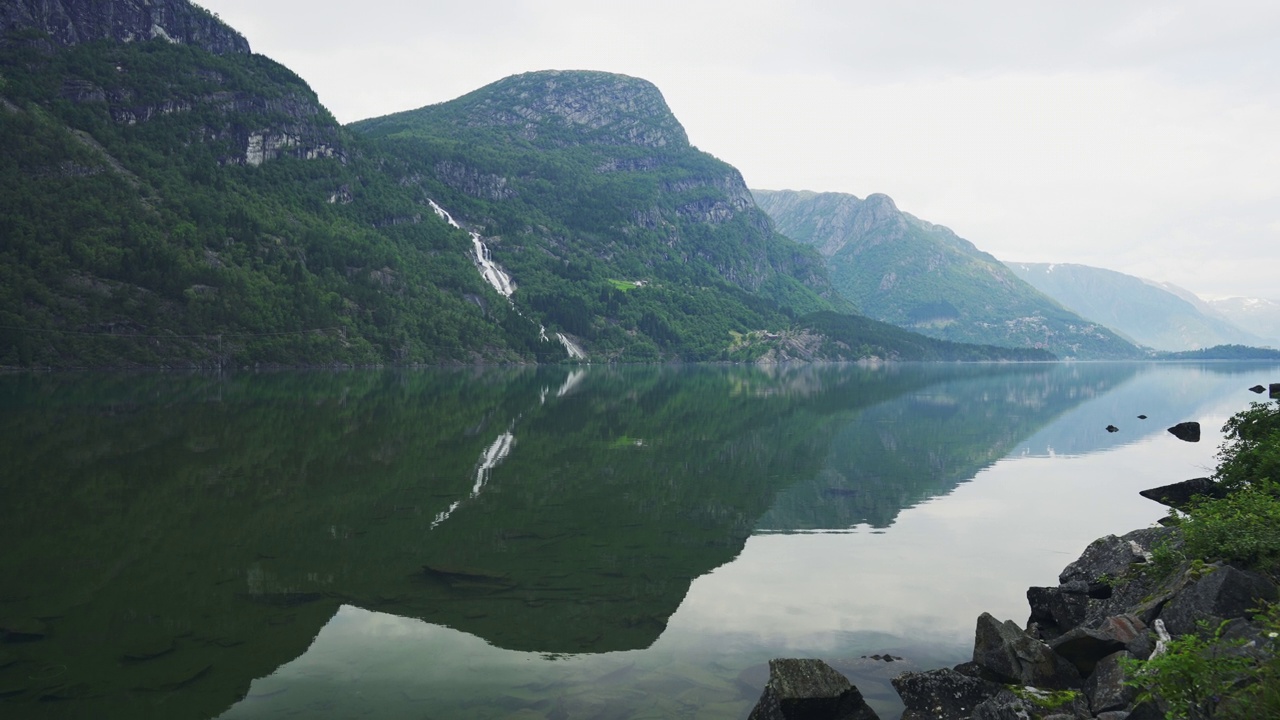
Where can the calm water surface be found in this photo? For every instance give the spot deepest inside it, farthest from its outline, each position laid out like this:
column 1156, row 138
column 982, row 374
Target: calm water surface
column 551, row 543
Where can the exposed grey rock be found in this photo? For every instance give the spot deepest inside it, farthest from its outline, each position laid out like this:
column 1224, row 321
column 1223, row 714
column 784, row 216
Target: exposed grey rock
column 470, row 181
column 1003, row 706
column 1179, row 494
column 809, row 690
column 1085, row 647
column 1222, row 594
column 1105, row 688
column 1055, row 610
column 1186, row 431
column 72, row 22
column 1111, row 557
column 1112, row 429
column 1258, row 389
column 1009, row 654
column 1113, row 715
column 944, row 694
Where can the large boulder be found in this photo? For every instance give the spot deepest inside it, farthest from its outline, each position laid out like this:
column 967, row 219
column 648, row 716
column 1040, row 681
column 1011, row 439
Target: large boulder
column 1085, row 647
column 943, row 694
column 1225, row 592
column 1055, row 610
column 1111, row 557
column 1179, row 495
column 1186, row 431
column 1106, row 688
column 809, row 690
column 1007, row 654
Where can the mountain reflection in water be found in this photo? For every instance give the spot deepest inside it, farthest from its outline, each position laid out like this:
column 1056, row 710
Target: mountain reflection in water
column 170, row 538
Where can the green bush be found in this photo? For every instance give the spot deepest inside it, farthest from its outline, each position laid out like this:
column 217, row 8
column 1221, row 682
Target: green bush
column 1242, row 528
column 1193, row 677
column 1251, row 451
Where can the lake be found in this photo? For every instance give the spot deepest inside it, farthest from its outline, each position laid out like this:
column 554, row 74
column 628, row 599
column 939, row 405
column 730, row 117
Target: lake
column 557, row 542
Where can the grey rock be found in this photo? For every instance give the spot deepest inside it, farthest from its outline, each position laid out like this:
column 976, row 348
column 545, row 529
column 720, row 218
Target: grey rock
column 72, row 22
column 1055, row 610
column 1186, row 431
column 1111, row 557
column 1113, row 715
column 1085, row 647
column 1004, row 706
column 944, row 694
column 1112, row 429
column 1178, row 495
column 1009, row 654
column 1259, row 389
column 809, row 690
column 1224, row 593
column 1105, row 688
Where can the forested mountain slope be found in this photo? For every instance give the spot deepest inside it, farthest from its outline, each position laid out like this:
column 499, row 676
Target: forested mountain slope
column 176, row 200
column 168, row 198
column 920, row 276
column 615, row 229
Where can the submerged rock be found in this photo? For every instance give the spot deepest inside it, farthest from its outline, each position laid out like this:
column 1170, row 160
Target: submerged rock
column 809, row 690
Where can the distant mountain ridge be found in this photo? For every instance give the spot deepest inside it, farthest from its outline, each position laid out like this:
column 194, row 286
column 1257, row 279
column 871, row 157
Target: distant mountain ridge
column 1143, row 311
column 899, row 269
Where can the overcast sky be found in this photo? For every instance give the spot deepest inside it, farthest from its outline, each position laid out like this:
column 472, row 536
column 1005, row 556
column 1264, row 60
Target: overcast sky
column 1142, row 137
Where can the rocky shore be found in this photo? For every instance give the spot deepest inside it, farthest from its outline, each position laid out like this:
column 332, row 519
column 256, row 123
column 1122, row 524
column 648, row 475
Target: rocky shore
column 1068, row 661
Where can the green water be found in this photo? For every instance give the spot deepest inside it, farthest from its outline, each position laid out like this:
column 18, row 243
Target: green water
column 549, row 543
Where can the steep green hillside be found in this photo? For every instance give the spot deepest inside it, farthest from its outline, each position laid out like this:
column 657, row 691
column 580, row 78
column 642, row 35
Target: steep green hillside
column 165, row 204
column 613, row 227
column 920, row 276
column 1140, row 310
column 168, row 198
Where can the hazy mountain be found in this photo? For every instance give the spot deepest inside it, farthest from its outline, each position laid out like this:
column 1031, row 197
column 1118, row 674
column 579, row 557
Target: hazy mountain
column 1147, row 313
column 1258, row 315
column 917, row 275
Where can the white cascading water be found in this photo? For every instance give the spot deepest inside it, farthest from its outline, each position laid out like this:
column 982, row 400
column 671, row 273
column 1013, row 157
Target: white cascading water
column 488, row 268
column 501, row 281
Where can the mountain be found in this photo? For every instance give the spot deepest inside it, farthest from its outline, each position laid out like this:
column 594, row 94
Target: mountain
column 1145, row 312
column 1259, row 315
column 169, row 198
column 587, row 192
column 899, row 269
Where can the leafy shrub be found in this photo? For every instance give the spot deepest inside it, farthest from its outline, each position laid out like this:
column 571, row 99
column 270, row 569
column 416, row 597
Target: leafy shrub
column 1251, row 452
column 1193, row 677
column 1242, row 528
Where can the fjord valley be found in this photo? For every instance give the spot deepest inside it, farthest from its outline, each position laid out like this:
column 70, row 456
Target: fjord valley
column 171, row 199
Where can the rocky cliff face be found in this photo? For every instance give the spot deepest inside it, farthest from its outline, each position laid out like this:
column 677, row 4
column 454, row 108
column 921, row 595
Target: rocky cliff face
column 251, row 108
column 565, row 108
column 72, row 22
